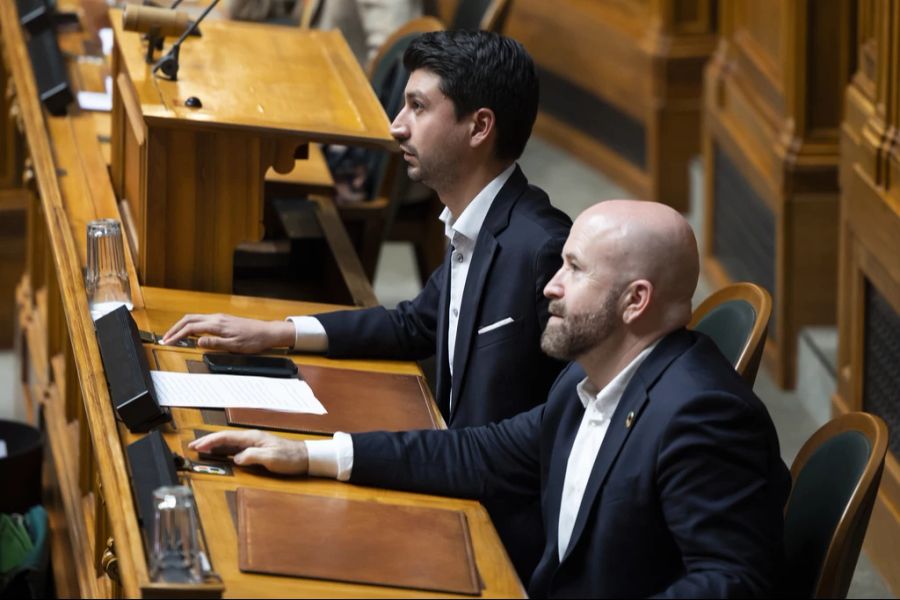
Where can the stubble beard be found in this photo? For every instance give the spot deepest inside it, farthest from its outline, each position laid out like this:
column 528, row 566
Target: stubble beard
column 434, row 178
column 439, row 170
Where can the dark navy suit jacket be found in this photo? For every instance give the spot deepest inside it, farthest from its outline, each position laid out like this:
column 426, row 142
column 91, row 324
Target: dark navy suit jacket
column 496, row 374
column 685, row 502
column 501, row 372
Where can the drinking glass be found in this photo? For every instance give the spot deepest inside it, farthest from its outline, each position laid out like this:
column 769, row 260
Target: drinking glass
column 106, row 280
column 175, row 552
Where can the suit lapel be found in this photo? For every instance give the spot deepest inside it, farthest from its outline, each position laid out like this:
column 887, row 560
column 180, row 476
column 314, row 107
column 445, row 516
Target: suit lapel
column 562, row 448
column 483, row 256
column 441, row 362
column 471, row 300
column 634, row 399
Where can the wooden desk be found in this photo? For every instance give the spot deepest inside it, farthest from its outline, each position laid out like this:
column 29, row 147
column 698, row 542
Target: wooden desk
column 94, row 534
column 193, row 177
column 162, row 308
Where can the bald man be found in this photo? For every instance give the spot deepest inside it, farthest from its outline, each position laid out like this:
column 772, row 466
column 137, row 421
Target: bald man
column 658, row 468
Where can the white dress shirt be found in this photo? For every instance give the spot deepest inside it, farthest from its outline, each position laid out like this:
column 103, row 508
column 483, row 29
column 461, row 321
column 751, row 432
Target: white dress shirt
column 599, row 407
column 334, row 457
column 463, row 234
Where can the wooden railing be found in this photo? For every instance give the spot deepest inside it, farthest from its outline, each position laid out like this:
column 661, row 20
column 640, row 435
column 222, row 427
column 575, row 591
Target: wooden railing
column 95, row 544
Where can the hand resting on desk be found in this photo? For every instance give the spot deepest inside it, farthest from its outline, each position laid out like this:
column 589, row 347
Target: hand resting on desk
column 234, row 334
column 254, row 447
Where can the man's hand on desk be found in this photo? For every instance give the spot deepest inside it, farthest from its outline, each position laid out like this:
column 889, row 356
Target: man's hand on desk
column 287, row 457
column 234, row 334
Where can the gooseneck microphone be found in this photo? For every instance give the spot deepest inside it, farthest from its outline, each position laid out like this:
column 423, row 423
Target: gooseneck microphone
column 168, row 64
column 165, row 22
column 156, row 23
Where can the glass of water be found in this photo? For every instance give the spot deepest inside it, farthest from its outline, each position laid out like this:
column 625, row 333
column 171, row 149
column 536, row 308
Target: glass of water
column 175, row 551
column 106, row 279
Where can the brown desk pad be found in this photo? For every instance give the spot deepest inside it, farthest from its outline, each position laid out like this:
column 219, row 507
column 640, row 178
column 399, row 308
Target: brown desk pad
column 356, row 401
column 356, row 541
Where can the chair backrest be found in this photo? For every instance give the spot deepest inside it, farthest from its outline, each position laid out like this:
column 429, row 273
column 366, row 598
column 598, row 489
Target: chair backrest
column 489, row 15
column 736, row 318
column 836, row 476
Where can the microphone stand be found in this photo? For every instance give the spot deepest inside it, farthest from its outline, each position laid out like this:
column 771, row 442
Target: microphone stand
column 154, row 39
column 168, row 64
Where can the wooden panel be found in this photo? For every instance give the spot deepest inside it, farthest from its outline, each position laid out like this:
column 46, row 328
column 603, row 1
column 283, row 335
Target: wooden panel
column 621, row 84
column 13, row 201
column 338, row 103
column 13, row 219
column 772, row 106
column 11, row 143
column 192, row 178
column 869, row 247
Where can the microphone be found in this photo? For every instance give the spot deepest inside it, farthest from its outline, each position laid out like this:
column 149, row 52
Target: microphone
column 155, row 21
column 168, row 64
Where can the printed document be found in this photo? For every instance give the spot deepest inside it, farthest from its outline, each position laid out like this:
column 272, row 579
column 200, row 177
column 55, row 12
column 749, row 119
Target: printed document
column 200, row 390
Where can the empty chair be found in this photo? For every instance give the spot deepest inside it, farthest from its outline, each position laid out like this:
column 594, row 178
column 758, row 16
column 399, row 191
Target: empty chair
column 836, row 476
column 736, row 317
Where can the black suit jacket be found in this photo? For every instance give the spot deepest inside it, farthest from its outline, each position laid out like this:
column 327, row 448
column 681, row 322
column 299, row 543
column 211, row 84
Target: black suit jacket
column 685, row 502
column 501, row 372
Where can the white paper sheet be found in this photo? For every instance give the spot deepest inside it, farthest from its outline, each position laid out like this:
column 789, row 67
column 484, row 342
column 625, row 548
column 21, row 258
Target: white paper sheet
column 99, row 101
column 200, row 390
column 106, row 40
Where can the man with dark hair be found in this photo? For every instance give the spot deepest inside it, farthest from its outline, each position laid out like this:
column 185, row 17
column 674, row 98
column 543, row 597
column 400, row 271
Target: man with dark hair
column 483, row 70
column 470, row 103
column 659, row 470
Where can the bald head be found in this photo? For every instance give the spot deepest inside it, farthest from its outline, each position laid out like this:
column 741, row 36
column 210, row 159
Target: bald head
column 645, row 241
column 629, row 271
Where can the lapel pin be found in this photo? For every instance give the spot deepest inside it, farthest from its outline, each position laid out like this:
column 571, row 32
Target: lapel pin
column 629, row 420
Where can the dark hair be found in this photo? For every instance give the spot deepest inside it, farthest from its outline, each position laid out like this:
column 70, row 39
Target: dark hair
column 481, row 69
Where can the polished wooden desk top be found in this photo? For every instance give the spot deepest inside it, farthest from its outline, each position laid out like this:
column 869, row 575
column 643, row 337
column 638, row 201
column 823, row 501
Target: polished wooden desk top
column 238, row 71
column 162, row 308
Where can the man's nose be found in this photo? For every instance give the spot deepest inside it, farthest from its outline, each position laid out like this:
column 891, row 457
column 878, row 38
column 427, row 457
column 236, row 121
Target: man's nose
column 399, row 129
column 554, row 288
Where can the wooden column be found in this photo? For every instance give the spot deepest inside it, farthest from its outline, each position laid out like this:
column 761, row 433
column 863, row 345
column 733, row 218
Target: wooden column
column 869, row 287
column 621, row 85
column 771, row 114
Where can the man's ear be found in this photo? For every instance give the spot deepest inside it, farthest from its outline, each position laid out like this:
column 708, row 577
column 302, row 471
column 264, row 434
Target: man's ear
column 637, row 299
column 482, row 123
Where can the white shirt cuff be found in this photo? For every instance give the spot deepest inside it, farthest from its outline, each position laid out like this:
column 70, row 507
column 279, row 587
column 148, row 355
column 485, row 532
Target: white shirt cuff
column 309, row 335
column 331, row 458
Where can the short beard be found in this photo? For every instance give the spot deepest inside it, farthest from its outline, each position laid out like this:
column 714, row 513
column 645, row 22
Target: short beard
column 576, row 335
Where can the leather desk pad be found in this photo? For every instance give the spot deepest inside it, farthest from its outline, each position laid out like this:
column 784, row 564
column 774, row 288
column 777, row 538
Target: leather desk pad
column 356, row 541
column 356, row 401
